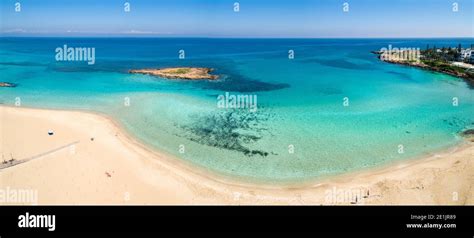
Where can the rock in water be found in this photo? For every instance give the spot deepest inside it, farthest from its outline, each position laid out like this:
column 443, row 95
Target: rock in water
column 7, row 85
column 189, row 73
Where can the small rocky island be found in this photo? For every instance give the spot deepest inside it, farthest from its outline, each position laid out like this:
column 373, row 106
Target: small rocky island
column 188, row 73
column 7, row 85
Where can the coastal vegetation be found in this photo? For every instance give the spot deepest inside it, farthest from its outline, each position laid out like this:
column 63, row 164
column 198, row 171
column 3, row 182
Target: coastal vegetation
column 182, row 71
column 448, row 60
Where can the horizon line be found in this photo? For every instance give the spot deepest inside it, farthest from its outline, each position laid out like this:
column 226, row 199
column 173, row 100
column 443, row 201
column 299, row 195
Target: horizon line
column 233, row 37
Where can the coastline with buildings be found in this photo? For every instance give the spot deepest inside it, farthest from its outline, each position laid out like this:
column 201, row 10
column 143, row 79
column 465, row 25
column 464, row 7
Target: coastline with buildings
column 454, row 61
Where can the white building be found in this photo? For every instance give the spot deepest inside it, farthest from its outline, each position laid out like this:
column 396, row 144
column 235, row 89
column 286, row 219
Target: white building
column 466, row 54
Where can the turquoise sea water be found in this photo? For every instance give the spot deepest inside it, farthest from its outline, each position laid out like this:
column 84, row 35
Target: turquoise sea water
column 300, row 101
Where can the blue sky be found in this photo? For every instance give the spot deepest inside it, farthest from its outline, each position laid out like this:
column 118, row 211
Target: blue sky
column 256, row 18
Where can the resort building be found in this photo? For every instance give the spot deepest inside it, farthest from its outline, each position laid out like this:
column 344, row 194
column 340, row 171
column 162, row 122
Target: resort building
column 466, row 54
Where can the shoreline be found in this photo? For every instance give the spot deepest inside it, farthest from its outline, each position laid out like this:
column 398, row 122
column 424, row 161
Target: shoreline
column 225, row 189
column 468, row 79
column 215, row 176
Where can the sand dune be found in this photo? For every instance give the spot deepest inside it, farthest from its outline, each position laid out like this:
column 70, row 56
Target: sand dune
column 91, row 160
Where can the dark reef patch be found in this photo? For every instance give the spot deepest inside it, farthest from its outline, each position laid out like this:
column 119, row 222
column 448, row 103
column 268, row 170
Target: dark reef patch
column 468, row 132
column 230, row 80
column 230, row 130
column 402, row 76
column 343, row 64
column 247, row 86
column 456, row 122
column 238, row 83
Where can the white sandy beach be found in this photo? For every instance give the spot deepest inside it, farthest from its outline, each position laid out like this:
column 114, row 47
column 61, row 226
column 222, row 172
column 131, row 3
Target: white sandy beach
column 115, row 169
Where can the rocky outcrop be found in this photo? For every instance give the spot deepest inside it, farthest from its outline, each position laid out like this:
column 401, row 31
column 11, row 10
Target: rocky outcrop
column 7, row 85
column 188, row 73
